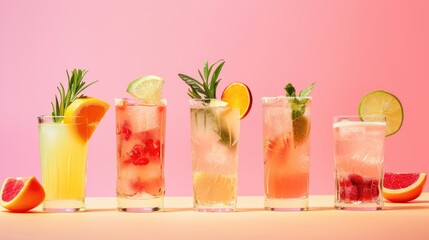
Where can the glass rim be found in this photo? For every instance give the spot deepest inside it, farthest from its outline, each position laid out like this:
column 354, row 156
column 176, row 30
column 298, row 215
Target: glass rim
column 142, row 101
column 138, row 99
column 75, row 120
column 203, row 99
column 62, row 116
column 285, row 97
column 206, row 103
column 362, row 118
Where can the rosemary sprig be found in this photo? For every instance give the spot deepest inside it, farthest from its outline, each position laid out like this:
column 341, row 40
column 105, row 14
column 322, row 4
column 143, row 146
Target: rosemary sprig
column 206, row 88
column 75, row 87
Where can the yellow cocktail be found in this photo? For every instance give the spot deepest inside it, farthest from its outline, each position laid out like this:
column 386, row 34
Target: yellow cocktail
column 63, row 154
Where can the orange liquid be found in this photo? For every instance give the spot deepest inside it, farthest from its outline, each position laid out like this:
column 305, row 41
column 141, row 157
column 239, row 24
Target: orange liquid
column 286, row 170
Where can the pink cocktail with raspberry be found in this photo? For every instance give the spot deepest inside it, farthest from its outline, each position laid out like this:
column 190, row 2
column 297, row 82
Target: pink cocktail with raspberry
column 358, row 153
column 140, row 135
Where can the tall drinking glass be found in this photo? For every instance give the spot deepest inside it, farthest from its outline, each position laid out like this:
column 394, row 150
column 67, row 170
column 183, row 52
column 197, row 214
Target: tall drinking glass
column 140, row 137
column 286, row 141
column 63, row 151
column 215, row 133
column 358, row 154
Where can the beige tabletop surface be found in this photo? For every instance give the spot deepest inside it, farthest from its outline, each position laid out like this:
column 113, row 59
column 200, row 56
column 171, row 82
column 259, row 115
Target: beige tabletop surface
column 101, row 220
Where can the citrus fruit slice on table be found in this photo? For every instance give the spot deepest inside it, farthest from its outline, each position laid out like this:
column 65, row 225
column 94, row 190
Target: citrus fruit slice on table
column 403, row 187
column 238, row 95
column 91, row 108
column 383, row 103
column 146, row 87
column 21, row 194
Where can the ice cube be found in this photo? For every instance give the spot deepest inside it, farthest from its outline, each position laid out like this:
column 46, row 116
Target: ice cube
column 218, row 154
column 277, row 120
column 141, row 118
column 350, row 129
column 204, row 119
column 127, row 175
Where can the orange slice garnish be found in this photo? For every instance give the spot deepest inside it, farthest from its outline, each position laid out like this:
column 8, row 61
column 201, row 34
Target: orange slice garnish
column 238, row 95
column 92, row 109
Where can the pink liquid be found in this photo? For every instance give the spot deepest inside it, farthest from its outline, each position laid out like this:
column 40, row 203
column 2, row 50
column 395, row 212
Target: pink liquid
column 140, row 131
column 358, row 152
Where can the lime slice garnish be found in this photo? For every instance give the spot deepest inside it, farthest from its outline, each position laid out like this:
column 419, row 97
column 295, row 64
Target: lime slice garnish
column 383, row 103
column 146, row 87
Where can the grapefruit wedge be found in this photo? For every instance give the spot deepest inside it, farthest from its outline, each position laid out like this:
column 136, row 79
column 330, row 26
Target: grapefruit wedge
column 21, row 194
column 403, row 187
column 92, row 109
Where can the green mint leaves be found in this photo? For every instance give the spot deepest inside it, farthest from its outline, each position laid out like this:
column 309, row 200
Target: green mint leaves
column 298, row 102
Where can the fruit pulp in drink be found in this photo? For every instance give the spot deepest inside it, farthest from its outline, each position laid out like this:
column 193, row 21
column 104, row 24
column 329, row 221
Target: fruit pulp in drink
column 140, row 134
column 358, row 153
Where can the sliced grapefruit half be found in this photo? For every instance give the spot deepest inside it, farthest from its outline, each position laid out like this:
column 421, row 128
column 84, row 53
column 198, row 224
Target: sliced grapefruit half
column 403, row 187
column 21, row 194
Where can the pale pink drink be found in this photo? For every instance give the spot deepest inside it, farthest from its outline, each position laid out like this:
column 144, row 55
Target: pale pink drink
column 358, row 154
column 140, row 134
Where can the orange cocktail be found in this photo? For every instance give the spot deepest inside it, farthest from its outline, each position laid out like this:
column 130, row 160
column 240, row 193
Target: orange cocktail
column 286, row 135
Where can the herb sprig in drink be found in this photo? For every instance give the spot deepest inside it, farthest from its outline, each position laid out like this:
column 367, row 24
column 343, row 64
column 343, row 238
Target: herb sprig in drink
column 215, row 126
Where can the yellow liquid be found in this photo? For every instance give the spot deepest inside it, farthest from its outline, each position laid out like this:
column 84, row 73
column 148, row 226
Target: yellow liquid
column 211, row 188
column 63, row 161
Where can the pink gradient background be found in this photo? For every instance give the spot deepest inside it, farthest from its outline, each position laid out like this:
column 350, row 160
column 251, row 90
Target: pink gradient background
column 348, row 48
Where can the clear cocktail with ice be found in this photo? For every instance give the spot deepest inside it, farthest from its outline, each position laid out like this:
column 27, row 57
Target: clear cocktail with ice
column 214, row 141
column 358, row 154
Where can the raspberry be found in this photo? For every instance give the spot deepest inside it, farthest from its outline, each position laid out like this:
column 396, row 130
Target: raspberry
column 136, row 152
column 366, row 194
column 137, row 155
column 356, row 179
column 140, row 161
column 355, row 193
column 370, row 190
column 148, row 143
column 125, row 131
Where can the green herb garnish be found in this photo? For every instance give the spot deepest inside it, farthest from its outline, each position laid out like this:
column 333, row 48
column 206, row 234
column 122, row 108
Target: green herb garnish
column 298, row 102
column 75, row 86
column 206, row 88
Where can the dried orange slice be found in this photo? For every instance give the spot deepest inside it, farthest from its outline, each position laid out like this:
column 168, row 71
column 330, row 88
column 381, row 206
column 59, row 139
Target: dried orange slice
column 403, row 187
column 21, row 194
column 92, row 109
column 238, row 95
